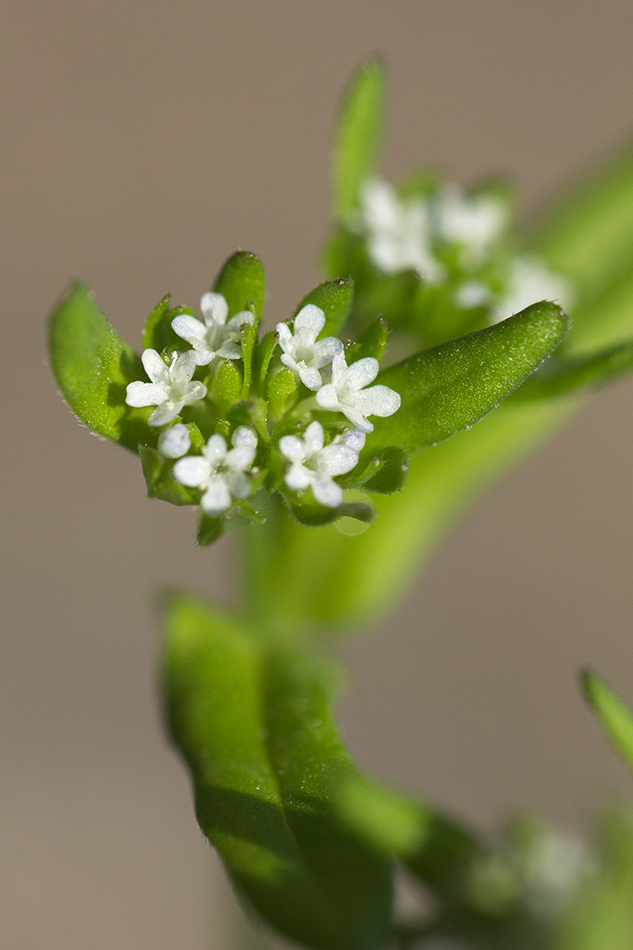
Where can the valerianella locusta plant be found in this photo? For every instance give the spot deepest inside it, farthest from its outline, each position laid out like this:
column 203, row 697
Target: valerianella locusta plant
column 433, row 355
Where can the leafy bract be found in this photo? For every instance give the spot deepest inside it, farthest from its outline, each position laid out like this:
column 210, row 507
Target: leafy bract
column 92, row 366
column 583, row 372
column 334, row 297
column 357, row 136
column 613, row 714
column 242, row 282
column 452, row 386
column 252, row 718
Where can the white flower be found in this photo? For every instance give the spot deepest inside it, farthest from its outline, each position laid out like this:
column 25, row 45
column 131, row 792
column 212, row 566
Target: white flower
column 530, row 282
column 346, row 392
column 398, row 232
column 174, row 441
column 314, row 465
column 302, row 353
column 214, row 337
column 473, row 293
column 474, row 221
column 170, row 388
column 220, row 472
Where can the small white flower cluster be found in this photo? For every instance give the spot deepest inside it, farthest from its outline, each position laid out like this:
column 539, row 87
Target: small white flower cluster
column 222, row 473
column 405, row 233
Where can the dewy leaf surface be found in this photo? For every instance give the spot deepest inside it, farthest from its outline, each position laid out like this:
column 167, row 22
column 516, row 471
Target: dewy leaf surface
column 253, row 721
column 357, row 137
column 613, row 714
column 454, row 385
column 92, row 366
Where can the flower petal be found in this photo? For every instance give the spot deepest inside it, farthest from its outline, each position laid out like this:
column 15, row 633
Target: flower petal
column 309, row 322
column 337, row 460
column 309, row 376
column 194, row 392
column 174, row 442
column 292, row 448
column 214, row 308
column 362, row 372
column 327, row 492
column 298, row 477
column 155, row 367
column 216, row 499
column 327, row 397
column 244, row 316
column 189, row 328
column 325, row 350
column 215, row 449
column 140, row 394
column 193, row 471
column 165, row 412
column 183, row 368
column 378, row 401
column 313, row 438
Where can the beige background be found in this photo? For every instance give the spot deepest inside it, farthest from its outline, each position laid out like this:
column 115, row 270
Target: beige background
column 142, row 143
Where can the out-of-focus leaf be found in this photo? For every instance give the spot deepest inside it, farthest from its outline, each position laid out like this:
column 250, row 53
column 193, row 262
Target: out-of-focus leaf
column 357, row 137
column 613, row 714
column 242, row 281
column 588, row 234
column 252, row 718
column 92, row 366
column 568, row 375
column 452, row 386
column 371, row 342
column 335, row 300
column 437, row 849
column 386, row 471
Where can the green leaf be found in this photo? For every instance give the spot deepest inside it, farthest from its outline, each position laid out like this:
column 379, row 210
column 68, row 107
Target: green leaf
column 226, row 387
column 309, row 512
column 248, row 337
column 588, row 234
column 371, row 342
column 613, row 714
column 242, row 282
column 335, row 300
column 454, row 385
column 436, row 848
column 282, row 391
column 160, row 484
column 158, row 333
column 568, row 375
column 264, row 355
column 92, row 366
column 387, row 471
column 252, row 718
column 209, row 530
column 357, row 136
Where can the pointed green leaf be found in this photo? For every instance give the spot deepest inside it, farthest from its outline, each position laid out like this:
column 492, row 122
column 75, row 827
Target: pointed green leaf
column 264, row 355
column 387, row 471
column 371, row 342
column 357, row 136
column 282, row 391
column 158, row 333
column 248, row 338
column 160, row 484
column 209, row 530
column 92, row 366
column 335, row 300
column 309, row 512
column 243, row 282
column 253, row 721
column 452, row 386
column 569, row 375
column 436, row 848
column 613, row 714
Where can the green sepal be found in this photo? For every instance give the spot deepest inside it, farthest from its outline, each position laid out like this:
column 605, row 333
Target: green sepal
column 160, row 482
column 613, row 714
column 371, row 342
column 265, row 352
column 226, row 386
column 208, row 529
column 386, row 471
column 308, row 511
column 248, row 338
column 436, row 848
column 357, row 137
column 93, row 366
column 282, row 392
column 335, row 298
column 452, row 386
column 568, row 375
column 158, row 333
column 253, row 719
column 242, row 281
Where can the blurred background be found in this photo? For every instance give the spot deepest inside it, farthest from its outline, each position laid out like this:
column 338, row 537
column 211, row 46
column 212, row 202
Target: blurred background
column 142, row 144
